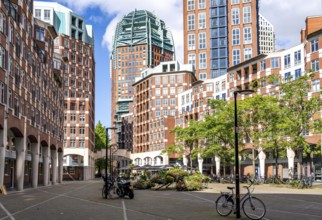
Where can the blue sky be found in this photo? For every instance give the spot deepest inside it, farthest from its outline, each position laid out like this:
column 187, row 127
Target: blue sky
column 287, row 16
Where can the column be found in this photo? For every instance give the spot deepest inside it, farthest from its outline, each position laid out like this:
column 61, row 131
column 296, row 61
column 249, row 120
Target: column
column 185, row 160
column 217, row 160
column 262, row 158
column 46, row 165
column 290, row 161
column 20, row 162
column 200, row 162
column 54, row 166
column 60, row 166
column 35, row 163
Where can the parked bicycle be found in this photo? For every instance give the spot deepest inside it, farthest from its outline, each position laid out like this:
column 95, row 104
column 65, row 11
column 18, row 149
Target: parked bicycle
column 252, row 207
column 305, row 182
column 107, row 187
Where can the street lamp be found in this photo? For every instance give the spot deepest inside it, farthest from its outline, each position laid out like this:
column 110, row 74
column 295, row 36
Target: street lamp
column 243, row 92
column 111, row 128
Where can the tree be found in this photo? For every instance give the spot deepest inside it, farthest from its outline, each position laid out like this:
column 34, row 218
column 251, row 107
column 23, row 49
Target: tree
column 300, row 110
column 265, row 124
column 100, row 136
column 218, row 129
column 186, row 140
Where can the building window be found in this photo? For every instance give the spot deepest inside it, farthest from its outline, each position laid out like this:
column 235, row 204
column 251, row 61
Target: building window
column 173, row 112
column 38, row 13
column 247, row 14
column 314, row 45
column 157, row 91
column 82, row 118
column 46, row 14
column 192, row 59
column 172, row 90
column 247, row 35
column 172, row 101
column 40, row 33
column 235, row 16
column 287, row 61
column 235, row 36
column 81, row 143
column 202, row 4
column 234, row 2
column 297, row 73
column 316, row 85
column 191, row 5
column 165, row 112
column 72, row 143
column 202, row 20
column 3, row 23
column 1, row 92
column 81, row 131
column 180, row 80
column 165, row 102
column 202, row 40
column 236, row 56
column 263, row 65
column 165, row 91
column 73, row 118
column 315, row 66
column 275, row 62
column 297, row 57
column 209, row 87
column 157, row 113
column 203, row 76
column 191, row 22
column 2, row 57
column 245, row 1
column 157, row 102
column 165, row 80
column 247, row 53
column 191, row 42
column 287, row 77
column 157, row 80
column 72, row 131
column 172, row 79
column 202, row 61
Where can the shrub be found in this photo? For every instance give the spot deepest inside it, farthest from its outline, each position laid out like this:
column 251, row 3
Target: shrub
column 142, row 184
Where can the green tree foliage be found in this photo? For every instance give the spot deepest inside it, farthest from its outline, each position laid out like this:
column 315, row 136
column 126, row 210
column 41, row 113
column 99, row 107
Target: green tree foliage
column 186, row 140
column 100, row 136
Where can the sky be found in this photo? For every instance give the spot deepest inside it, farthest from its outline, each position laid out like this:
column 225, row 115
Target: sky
column 287, row 16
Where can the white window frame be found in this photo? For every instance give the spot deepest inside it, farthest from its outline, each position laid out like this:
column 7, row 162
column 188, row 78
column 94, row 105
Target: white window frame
column 191, row 22
column 202, row 40
column 248, row 53
column 236, row 56
column 247, row 15
column 202, row 61
column 247, row 35
column 191, row 5
column 191, row 41
column 236, row 36
column 235, row 16
column 201, row 20
column 201, row 4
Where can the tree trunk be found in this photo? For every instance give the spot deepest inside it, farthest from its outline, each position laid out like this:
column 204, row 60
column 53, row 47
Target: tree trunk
column 224, row 168
column 190, row 158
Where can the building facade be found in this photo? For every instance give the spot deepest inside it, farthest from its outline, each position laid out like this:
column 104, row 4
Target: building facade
column 222, row 33
column 75, row 44
column 31, row 100
column 141, row 41
column 155, row 108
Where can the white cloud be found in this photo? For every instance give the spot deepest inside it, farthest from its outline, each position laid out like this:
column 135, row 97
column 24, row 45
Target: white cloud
column 170, row 11
column 288, row 18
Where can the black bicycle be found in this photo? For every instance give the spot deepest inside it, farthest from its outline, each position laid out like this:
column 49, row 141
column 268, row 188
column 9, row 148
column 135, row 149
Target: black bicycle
column 107, row 187
column 252, row 207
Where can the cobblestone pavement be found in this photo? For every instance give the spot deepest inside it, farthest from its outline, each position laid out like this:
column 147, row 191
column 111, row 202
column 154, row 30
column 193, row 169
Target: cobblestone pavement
column 83, row 200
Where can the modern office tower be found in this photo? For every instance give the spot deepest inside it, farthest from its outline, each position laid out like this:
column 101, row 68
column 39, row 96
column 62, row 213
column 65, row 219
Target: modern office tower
column 141, row 41
column 75, row 43
column 266, row 35
column 31, row 100
column 221, row 33
column 155, row 107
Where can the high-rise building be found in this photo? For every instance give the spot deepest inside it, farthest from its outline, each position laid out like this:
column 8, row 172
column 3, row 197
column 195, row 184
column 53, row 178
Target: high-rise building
column 31, row 100
column 141, row 41
column 75, row 43
column 222, row 33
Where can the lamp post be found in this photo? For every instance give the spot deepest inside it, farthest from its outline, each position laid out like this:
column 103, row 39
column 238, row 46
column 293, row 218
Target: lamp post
column 111, row 128
column 243, row 92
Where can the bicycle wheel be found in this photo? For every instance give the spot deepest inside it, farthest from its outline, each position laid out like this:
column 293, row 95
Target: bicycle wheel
column 103, row 192
column 224, row 205
column 301, row 185
column 254, row 208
